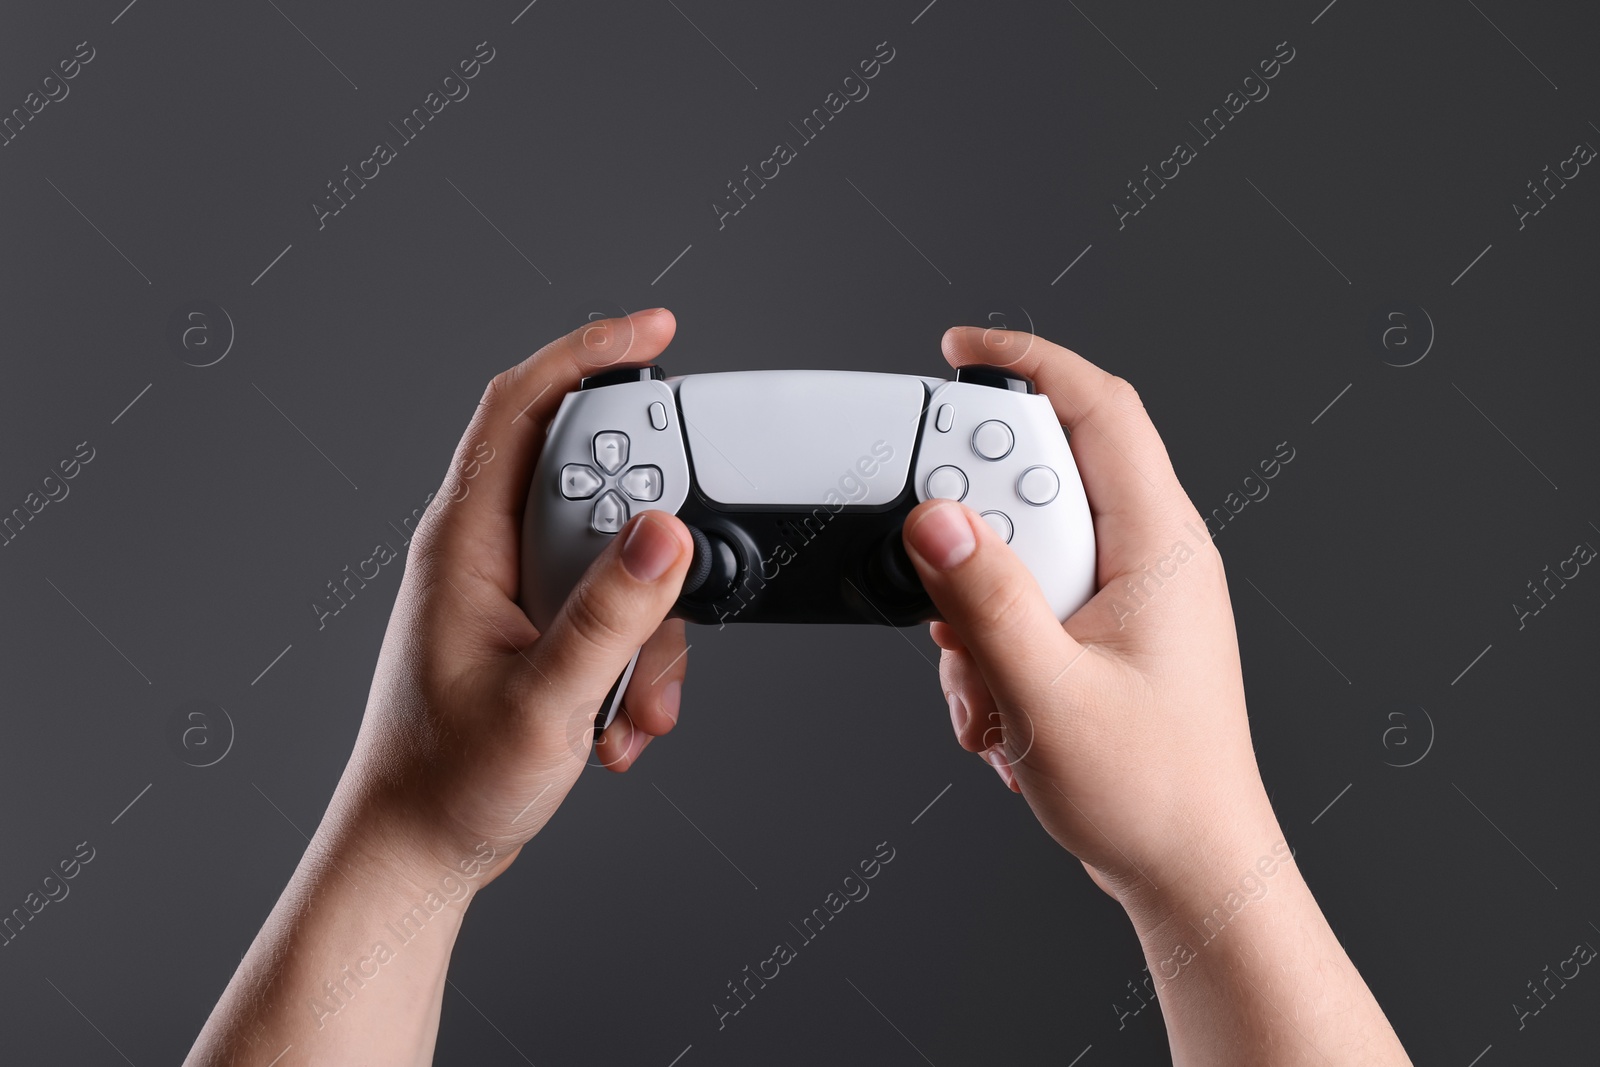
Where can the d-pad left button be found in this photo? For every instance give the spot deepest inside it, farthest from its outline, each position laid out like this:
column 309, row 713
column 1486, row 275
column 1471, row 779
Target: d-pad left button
column 579, row 482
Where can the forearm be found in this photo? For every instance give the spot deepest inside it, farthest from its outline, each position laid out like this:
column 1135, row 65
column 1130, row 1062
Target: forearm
column 1249, row 972
column 350, row 966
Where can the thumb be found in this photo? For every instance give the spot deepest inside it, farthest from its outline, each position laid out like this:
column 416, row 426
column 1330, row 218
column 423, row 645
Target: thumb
column 986, row 594
column 615, row 607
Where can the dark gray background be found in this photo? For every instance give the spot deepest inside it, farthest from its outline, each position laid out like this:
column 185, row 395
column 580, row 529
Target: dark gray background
column 1392, row 548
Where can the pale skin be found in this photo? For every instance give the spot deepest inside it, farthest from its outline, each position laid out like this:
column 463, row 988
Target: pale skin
column 1125, row 731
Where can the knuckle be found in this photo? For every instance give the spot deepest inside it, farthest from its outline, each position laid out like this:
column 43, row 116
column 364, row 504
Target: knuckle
column 1123, row 395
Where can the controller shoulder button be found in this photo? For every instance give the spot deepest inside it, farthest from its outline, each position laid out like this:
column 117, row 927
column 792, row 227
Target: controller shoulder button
column 1000, row 523
column 610, row 513
column 1038, row 485
column 611, row 450
column 622, row 376
column 947, row 483
column 994, row 378
column 579, row 482
column 993, row 439
column 642, row 483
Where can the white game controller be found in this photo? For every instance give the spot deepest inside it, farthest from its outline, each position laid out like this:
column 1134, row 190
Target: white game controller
column 795, row 484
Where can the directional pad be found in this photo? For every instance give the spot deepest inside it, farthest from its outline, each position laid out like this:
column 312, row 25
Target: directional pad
column 610, row 513
column 579, row 482
column 642, row 483
column 611, row 450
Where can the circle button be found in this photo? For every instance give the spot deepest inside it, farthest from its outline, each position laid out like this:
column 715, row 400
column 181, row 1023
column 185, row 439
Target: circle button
column 992, row 440
column 1000, row 523
column 1038, row 486
column 947, row 483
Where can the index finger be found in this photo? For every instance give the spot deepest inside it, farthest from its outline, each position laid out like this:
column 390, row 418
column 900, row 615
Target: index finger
column 1134, row 495
column 478, row 509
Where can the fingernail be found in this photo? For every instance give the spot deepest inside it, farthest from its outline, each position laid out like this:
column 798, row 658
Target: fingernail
column 1003, row 769
column 942, row 536
column 650, row 549
column 958, row 713
column 671, row 698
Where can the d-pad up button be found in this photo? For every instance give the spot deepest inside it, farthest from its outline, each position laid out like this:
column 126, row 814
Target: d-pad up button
column 610, row 513
column 611, row 450
column 579, row 482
